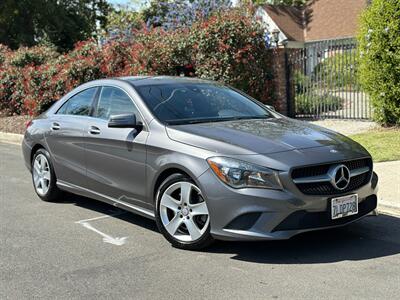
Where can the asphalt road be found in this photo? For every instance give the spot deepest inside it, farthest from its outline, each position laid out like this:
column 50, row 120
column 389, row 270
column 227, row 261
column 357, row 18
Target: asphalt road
column 44, row 253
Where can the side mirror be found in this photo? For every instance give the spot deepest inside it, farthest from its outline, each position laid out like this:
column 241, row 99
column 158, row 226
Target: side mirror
column 124, row 121
column 270, row 107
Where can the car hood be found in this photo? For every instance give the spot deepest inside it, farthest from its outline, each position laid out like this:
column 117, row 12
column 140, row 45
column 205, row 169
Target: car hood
column 264, row 136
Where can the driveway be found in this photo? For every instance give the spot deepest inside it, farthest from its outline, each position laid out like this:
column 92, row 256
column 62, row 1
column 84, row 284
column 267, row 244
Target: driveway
column 347, row 127
column 47, row 251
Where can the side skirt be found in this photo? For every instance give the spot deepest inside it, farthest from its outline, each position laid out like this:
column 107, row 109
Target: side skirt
column 106, row 199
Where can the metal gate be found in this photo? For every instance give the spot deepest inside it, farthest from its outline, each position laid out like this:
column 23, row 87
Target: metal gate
column 324, row 82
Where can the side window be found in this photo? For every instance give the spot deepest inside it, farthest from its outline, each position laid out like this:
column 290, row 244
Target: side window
column 114, row 101
column 80, row 104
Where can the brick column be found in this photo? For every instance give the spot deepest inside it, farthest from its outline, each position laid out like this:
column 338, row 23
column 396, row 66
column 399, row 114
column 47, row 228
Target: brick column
column 283, row 90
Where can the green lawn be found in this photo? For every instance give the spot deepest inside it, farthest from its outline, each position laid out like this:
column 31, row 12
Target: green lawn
column 383, row 144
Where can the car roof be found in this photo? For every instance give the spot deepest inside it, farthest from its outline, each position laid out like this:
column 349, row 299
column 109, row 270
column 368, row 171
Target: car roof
column 137, row 81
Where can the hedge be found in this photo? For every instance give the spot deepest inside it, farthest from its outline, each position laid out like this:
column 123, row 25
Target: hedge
column 338, row 71
column 309, row 104
column 379, row 61
column 228, row 47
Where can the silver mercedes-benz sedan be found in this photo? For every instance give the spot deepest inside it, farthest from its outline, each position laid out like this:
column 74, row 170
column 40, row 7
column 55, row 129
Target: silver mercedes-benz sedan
column 204, row 160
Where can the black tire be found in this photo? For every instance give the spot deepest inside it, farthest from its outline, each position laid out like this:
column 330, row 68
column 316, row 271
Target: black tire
column 53, row 194
column 204, row 241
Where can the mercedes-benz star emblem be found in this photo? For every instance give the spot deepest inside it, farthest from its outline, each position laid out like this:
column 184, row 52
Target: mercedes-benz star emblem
column 340, row 177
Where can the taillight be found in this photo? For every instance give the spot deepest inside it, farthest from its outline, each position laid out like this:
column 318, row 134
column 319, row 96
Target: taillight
column 29, row 123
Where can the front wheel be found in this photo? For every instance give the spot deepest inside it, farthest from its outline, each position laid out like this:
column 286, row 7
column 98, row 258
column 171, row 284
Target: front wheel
column 182, row 214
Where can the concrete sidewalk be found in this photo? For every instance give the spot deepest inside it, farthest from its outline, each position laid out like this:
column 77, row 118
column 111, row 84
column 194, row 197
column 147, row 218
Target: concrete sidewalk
column 389, row 186
column 388, row 172
column 11, row 137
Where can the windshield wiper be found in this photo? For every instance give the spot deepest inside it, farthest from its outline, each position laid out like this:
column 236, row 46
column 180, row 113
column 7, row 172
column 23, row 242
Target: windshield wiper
column 251, row 117
column 210, row 120
column 196, row 121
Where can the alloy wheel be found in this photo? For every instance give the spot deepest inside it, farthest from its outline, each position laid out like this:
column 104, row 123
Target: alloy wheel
column 184, row 212
column 41, row 174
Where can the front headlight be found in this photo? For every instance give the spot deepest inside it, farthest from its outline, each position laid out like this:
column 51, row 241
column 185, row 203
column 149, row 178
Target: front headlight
column 239, row 174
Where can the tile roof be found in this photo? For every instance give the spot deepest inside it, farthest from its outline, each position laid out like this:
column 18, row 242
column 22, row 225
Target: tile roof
column 318, row 19
column 289, row 19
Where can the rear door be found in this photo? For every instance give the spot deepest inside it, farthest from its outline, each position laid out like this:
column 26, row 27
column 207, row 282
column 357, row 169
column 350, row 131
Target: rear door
column 116, row 157
column 65, row 139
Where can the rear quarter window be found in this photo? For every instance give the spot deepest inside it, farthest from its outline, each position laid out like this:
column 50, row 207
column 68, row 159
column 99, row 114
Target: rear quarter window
column 79, row 104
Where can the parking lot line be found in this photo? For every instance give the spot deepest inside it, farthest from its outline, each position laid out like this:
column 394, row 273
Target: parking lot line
column 102, row 217
column 118, row 241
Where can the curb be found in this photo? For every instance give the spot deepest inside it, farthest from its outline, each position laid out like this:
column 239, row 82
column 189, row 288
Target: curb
column 389, row 210
column 11, row 138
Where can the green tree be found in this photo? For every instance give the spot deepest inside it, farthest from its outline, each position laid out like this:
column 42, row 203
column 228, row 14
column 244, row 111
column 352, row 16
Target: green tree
column 280, row 2
column 379, row 61
column 123, row 18
column 63, row 23
column 154, row 8
column 17, row 22
column 183, row 13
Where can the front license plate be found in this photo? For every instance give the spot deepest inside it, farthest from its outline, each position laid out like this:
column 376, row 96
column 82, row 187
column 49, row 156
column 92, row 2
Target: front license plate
column 344, row 206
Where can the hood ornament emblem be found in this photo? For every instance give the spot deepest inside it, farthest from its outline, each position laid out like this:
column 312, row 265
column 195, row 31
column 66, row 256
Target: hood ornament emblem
column 340, row 177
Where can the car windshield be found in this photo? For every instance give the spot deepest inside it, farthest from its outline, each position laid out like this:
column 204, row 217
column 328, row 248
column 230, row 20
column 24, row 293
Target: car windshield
column 187, row 103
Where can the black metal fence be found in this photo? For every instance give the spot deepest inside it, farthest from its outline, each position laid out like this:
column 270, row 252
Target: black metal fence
column 324, row 81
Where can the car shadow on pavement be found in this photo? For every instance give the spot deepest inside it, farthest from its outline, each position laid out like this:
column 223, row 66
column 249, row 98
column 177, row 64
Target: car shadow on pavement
column 372, row 237
column 106, row 209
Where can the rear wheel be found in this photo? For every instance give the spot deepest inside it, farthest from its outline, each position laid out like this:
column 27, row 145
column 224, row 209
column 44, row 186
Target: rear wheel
column 43, row 176
column 182, row 214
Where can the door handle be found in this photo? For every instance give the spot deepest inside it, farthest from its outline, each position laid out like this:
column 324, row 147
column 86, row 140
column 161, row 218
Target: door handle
column 94, row 130
column 55, row 126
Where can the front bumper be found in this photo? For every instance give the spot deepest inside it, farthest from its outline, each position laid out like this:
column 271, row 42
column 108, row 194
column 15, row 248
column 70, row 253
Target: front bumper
column 262, row 214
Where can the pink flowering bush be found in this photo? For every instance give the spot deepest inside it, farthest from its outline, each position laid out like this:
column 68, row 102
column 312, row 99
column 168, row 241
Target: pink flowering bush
column 4, row 50
column 16, row 68
column 231, row 48
column 36, row 56
column 11, row 90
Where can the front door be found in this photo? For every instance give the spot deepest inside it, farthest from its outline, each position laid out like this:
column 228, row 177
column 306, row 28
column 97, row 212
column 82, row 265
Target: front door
column 116, row 157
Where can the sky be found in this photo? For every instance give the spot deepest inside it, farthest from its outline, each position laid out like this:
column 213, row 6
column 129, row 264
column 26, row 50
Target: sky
column 118, row 1
column 136, row 2
column 124, row 2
